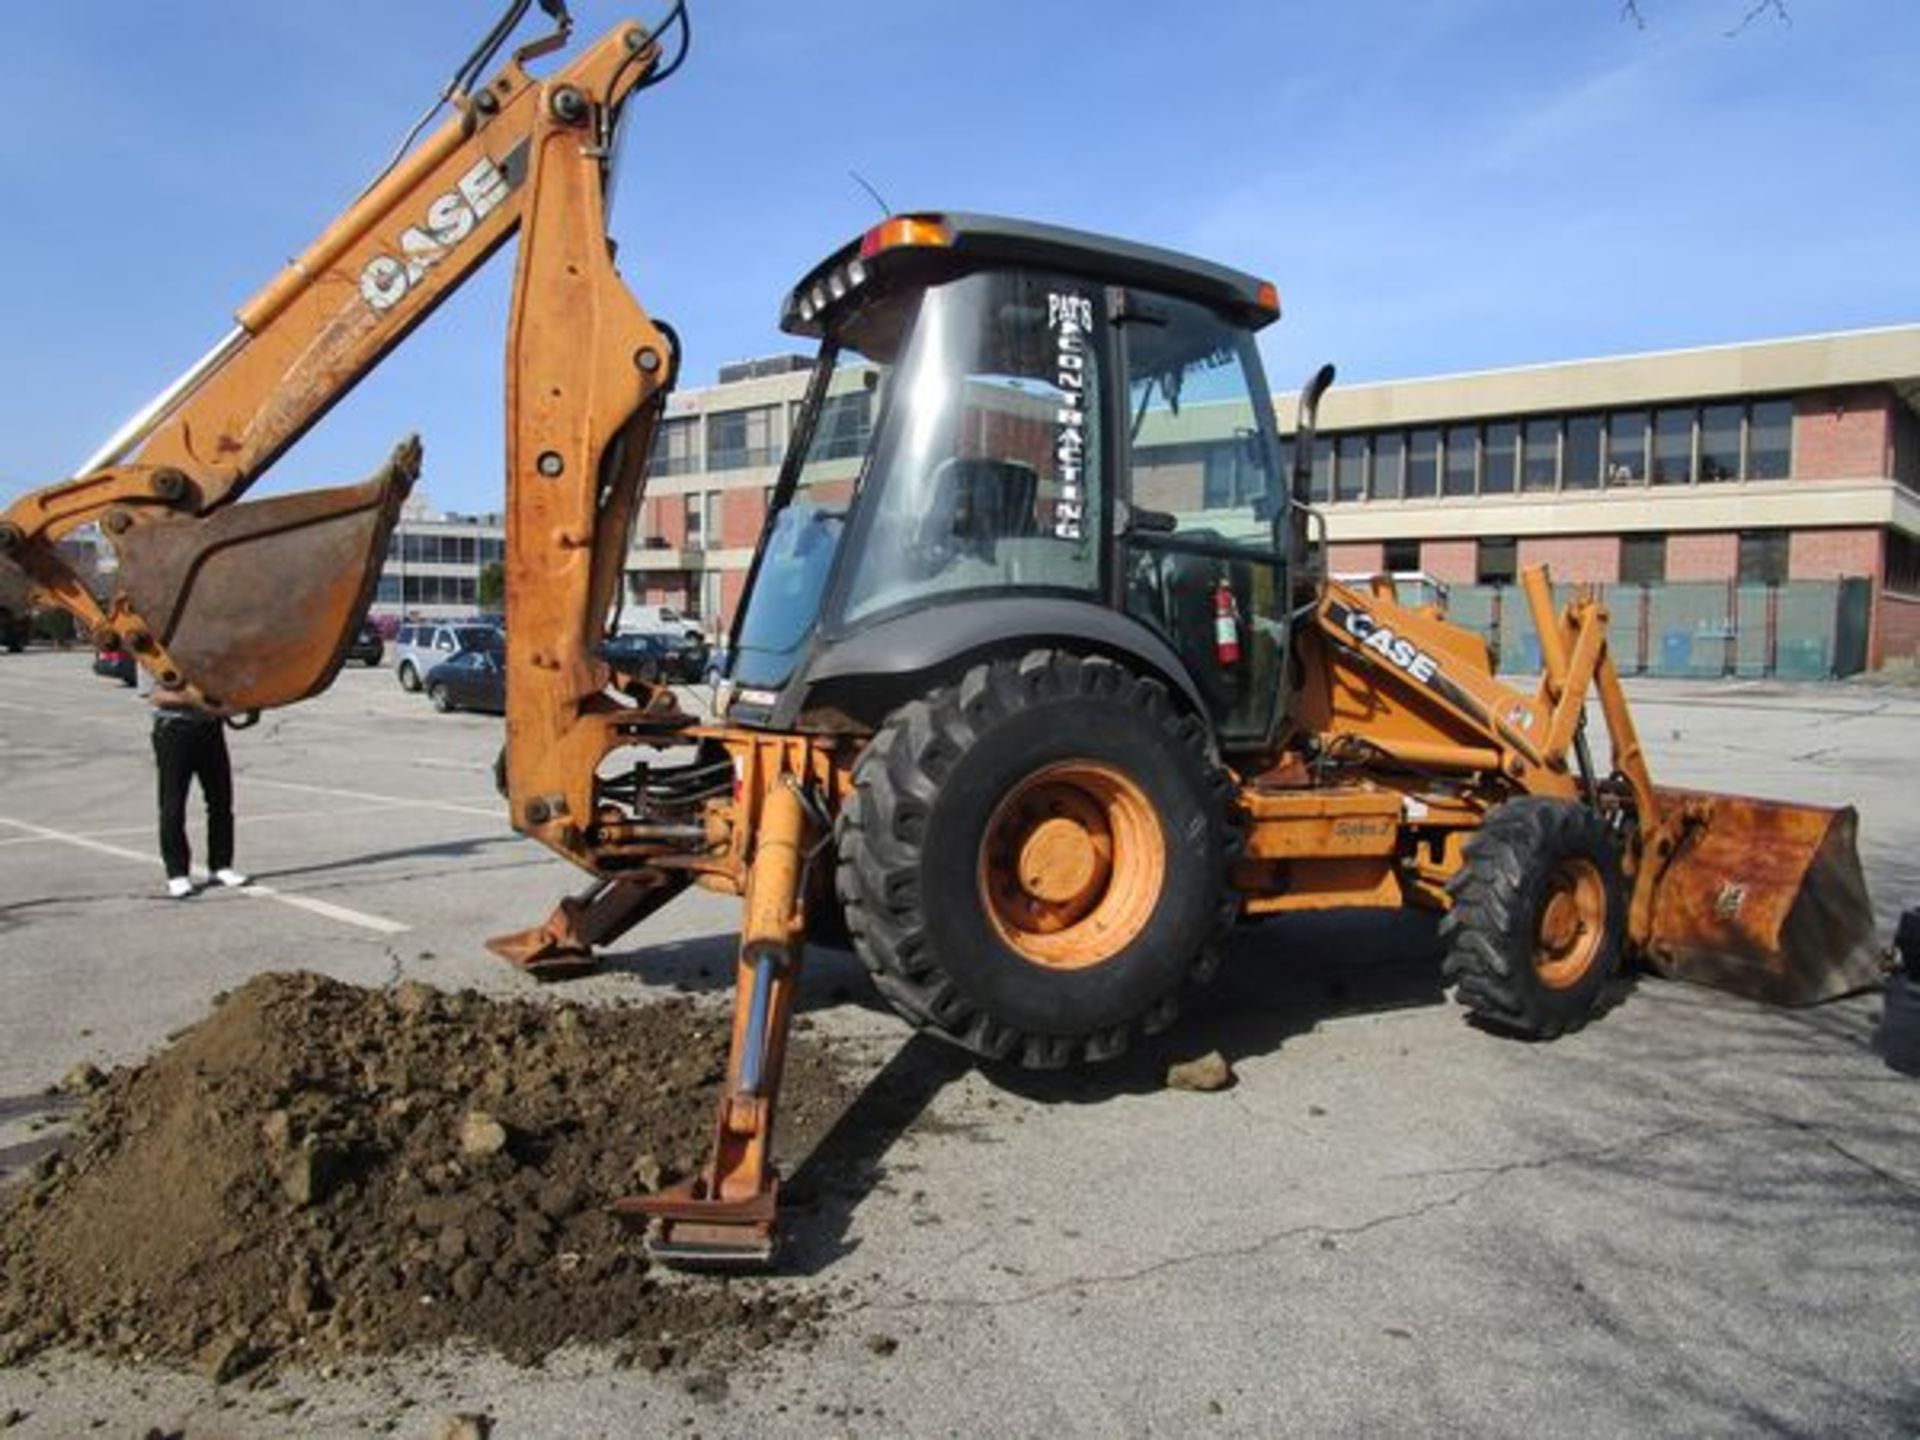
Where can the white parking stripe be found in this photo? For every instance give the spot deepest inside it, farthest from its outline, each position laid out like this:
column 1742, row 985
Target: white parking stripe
column 328, row 909
column 249, row 819
column 498, row 812
column 376, row 923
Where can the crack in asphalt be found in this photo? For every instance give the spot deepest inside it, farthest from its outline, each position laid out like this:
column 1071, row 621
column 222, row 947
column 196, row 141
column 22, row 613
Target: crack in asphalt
column 1483, row 1177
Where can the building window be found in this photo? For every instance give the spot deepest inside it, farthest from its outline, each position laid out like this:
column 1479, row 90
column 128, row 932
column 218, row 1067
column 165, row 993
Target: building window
column 1499, row 458
column 1423, row 450
column 1581, row 470
column 1720, row 442
column 1672, row 447
column 1322, row 489
column 843, row 427
column 738, row 439
column 673, row 448
column 1627, row 447
column 1462, row 441
column 1497, row 562
column 693, row 517
column 1540, row 454
column 1763, row 557
column 1389, row 449
column 1643, row 559
column 1400, row 557
column 1350, row 468
column 1770, row 440
column 1903, row 563
column 1227, row 480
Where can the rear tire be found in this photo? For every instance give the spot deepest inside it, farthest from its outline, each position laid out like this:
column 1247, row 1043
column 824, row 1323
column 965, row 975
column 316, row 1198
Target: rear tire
column 442, row 701
column 1538, row 924
column 409, row 677
column 1034, row 861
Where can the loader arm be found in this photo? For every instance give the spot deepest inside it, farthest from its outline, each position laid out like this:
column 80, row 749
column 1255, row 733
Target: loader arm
column 251, row 605
column 313, row 333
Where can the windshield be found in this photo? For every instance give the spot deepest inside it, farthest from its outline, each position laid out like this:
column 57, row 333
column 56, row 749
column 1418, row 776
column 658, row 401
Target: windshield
column 986, row 476
column 805, row 533
column 477, row 637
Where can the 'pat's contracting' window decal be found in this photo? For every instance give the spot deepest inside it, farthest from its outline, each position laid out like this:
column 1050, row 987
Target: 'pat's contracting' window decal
column 1070, row 317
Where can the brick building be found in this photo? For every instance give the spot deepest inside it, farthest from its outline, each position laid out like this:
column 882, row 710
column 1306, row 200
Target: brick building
column 1754, row 464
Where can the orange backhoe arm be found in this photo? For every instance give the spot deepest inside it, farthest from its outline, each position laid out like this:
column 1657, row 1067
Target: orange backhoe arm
column 198, row 579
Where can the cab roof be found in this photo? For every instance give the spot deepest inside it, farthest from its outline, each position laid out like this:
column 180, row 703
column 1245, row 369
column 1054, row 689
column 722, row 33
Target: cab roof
column 928, row 246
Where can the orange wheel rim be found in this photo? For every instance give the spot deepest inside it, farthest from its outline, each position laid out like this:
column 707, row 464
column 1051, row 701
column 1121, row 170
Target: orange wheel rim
column 1072, row 865
column 1573, row 924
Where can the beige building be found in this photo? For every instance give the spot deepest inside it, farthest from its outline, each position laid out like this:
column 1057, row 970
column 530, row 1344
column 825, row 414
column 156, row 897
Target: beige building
column 1749, row 465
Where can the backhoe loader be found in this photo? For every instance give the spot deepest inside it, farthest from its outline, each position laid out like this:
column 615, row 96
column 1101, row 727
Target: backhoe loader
column 1057, row 697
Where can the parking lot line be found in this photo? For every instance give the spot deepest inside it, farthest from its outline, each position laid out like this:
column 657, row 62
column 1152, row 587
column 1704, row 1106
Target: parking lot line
column 497, row 812
column 377, row 923
column 248, row 818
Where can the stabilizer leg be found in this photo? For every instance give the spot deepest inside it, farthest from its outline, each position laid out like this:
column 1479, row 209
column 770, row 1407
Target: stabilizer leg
column 724, row 1217
column 562, row 947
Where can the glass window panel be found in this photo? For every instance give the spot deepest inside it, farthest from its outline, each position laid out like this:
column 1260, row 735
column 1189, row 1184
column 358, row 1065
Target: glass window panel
column 1643, row 559
column 1582, row 467
column 1720, row 442
column 1540, row 454
column 1627, row 447
column 1763, row 557
column 1672, row 446
column 1389, row 449
column 1498, row 458
column 1400, row 556
column 1350, row 471
column 1770, row 440
column 1497, row 562
column 1423, row 450
column 1322, row 470
column 1462, row 440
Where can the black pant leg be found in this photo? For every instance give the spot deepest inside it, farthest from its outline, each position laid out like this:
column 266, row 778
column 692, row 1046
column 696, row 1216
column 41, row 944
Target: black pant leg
column 173, row 753
column 215, row 770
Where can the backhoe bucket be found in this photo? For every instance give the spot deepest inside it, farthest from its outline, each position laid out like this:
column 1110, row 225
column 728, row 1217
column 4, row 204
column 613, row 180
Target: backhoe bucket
column 256, row 603
column 1764, row 899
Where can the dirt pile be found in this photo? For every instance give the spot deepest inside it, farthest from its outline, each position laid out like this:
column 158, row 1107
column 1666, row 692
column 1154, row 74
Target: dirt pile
column 318, row 1170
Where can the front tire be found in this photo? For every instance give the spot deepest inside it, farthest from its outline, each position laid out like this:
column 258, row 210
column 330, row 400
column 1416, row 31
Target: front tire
column 1538, row 924
column 1034, row 861
column 409, row 677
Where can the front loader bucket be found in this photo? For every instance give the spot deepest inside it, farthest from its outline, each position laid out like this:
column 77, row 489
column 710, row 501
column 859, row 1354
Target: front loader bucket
column 256, row 603
column 1764, row 899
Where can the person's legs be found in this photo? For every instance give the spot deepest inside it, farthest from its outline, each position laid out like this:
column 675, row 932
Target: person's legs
column 215, row 770
column 172, row 753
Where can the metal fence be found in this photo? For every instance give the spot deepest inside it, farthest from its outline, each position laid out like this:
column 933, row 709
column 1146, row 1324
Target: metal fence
column 1802, row 630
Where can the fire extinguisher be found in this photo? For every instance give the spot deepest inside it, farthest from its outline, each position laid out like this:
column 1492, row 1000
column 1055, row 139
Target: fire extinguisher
column 1226, row 625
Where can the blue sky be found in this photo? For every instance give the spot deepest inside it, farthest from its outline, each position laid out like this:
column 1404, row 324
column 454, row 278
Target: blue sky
column 1435, row 185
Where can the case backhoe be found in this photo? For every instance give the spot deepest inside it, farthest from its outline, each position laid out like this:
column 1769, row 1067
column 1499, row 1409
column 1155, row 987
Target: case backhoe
column 1055, row 698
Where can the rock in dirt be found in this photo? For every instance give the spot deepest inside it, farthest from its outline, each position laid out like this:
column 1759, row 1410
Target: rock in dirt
column 306, row 1142
column 82, row 1079
column 1210, row 1072
column 463, row 1427
column 227, row 1358
column 481, row 1134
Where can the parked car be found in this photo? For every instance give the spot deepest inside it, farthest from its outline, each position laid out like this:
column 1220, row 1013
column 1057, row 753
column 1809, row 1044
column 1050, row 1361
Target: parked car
column 472, row 680
column 367, row 646
column 657, row 654
column 116, row 664
column 651, row 619
column 421, row 645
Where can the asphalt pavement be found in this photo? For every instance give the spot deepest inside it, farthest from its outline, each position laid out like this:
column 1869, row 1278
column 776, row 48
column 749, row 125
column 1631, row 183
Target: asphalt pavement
column 1698, row 1216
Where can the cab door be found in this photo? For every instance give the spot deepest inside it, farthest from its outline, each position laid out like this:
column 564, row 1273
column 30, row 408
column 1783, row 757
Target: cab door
column 1202, row 557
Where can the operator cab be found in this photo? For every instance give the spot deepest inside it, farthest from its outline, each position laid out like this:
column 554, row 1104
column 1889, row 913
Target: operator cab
column 1017, row 435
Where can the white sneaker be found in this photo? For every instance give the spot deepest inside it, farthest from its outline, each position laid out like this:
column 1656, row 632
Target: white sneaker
column 232, row 878
column 179, row 887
